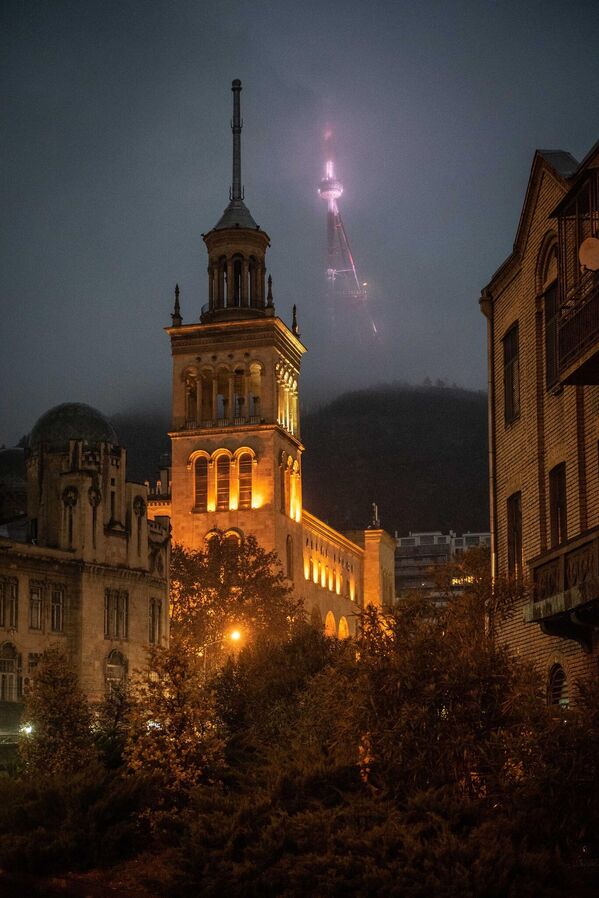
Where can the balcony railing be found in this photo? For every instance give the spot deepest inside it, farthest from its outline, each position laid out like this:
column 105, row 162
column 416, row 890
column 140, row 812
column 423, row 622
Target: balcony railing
column 566, row 590
column 578, row 325
column 212, row 423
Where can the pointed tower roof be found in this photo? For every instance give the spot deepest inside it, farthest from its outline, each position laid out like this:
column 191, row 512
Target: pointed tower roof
column 237, row 214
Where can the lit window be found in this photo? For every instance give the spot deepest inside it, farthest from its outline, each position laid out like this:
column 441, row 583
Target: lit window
column 116, row 670
column 245, row 480
column 201, row 484
column 223, row 469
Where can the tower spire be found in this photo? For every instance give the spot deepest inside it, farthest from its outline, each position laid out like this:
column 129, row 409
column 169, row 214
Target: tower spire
column 176, row 313
column 236, row 126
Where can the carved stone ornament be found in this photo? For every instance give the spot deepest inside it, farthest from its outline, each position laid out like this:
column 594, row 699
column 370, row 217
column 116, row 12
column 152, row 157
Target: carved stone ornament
column 139, row 507
column 70, row 495
column 95, row 496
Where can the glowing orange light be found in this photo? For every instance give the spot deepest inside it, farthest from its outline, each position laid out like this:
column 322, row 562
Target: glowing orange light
column 235, row 635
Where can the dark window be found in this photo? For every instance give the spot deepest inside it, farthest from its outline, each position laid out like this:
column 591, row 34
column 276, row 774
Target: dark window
column 33, row 661
column 9, row 604
column 10, row 673
column 511, row 375
column 35, row 607
column 557, row 505
column 514, row 535
column 557, row 689
column 223, row 468
column 551, row 309
column 116, row 614
column 155, row 622
column 245, row 480
column 57, row 610
column 201, row 484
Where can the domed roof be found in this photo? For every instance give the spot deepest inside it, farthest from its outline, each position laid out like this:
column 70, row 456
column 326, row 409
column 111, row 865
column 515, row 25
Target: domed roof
column 72, row 421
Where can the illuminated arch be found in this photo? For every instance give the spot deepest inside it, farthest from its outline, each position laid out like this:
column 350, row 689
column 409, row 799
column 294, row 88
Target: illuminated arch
column 201, row 467
column 343, row 628
column 330, row 626
column 222, row 468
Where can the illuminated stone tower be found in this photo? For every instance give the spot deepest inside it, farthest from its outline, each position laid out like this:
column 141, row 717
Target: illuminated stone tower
column 236, row 450
column 236, row 446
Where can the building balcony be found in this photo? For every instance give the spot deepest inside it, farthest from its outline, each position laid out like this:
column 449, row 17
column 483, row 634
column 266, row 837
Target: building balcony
column 215, row 423
column 578, row 332
column 566, row 590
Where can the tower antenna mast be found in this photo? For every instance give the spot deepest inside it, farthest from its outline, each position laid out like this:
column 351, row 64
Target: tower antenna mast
column 344, row 288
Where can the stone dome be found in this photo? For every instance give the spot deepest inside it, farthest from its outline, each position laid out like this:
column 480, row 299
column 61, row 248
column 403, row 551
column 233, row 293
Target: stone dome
column 72, row 421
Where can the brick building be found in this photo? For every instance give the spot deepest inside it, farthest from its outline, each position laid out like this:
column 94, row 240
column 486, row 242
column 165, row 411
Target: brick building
column 542, row 309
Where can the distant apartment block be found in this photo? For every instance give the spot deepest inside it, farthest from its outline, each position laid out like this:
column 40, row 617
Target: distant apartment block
column 419, row 555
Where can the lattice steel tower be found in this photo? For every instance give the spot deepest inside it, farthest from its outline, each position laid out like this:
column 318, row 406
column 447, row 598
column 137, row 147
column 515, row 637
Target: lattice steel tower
column 345, row 292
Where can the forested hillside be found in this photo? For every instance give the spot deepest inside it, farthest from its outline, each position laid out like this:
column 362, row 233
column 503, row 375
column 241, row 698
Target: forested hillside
column 419, row 452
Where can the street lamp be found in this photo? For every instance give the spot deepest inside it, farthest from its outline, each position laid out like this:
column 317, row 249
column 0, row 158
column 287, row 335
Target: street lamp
column 233, row 635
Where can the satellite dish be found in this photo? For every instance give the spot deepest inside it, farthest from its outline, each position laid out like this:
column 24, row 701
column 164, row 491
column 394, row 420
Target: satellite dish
column 589, row 253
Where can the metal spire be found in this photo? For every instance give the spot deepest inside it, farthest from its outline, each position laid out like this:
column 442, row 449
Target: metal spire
column 294, row 325
column 236, row 126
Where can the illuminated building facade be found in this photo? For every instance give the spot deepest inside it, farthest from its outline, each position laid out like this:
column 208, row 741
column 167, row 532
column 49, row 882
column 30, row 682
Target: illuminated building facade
column 89, row 572
column 542, row 308
column 236, row 441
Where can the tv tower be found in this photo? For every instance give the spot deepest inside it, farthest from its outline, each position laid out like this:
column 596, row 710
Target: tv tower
column 345, row 291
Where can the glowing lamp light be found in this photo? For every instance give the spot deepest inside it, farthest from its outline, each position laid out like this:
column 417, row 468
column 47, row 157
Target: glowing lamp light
column 233, row 505
column 235, row 635
column 257, row 501
column 306, row 570
column 211, row 506
column 26, row 729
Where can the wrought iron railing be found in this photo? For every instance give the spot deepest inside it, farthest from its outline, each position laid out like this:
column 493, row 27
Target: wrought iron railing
column 578, row 325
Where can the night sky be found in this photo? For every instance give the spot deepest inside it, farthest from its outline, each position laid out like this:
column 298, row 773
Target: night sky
column 116, row 157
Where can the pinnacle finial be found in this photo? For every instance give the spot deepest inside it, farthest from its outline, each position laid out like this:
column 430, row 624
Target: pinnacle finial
column 176, row 314
column 294, row 325
column 269, row 301
column 236, row 126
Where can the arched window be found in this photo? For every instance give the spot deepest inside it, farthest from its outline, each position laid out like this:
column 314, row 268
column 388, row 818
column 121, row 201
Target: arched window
column 191, row 400
column 252, row 281
column 237, row 281
column 343, row 628
column 238, row 392
column 69, row 497
column 201, row 484
column 116, row 670
column 557, row 689
column 245, row 480
column 289, row 554
column 10, row 682
column 549, row 287
column 223, row 470
column 222, row 282
column 330, row 627
column 255, row 389
column 222, row 394
column 206, row 387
